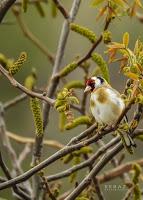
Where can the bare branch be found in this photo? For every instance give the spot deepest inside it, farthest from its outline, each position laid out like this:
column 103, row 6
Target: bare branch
column 128, row 193
column 4, row 7
column 15, row 188
column 84, row 164
column 24, row 89
column 47, row 188
column 61, row 8
column 95, row 182
column 31, row 36
column 118, row 171
column 6, row 142
column 59, row 56
column 24, row 153
column 98, row 41
column 23, row 140
column 102, row 162
column 14, row 101
column 53, row 158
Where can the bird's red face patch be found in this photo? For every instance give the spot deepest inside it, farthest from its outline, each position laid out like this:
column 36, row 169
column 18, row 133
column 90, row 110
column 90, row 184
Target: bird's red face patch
column 90, row 82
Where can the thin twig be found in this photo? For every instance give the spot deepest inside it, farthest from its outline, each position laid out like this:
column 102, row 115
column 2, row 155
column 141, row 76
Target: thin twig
column 118, row 171
column 115, row 163
column 61, row 8
column 14, row 101
column 95, row 181
column 128, row 193
column 4, row 7
column 98, row 41
column 24, row 153
column 23, row 140
column 24, row 89
column 7, row 174
column 64, row 195
column 45, row 182
column 59, row 56
column 27, row 33
column 7, row 144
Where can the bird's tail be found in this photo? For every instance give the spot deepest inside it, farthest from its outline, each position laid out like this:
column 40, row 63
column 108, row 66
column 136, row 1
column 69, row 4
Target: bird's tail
column 129, row 140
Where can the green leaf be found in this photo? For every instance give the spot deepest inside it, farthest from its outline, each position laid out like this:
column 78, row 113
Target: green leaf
column 73, row 100
column 126, row 39
column 96, row 3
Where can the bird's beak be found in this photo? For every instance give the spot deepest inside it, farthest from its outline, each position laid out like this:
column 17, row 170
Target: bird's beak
column 87, row 89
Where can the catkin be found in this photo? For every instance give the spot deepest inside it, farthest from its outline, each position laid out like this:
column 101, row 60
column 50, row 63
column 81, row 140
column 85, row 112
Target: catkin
column 13, row 69
column 83, row 31
column 36, row 110
column 97, row 58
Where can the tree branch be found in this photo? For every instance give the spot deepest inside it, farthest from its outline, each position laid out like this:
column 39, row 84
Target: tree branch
column 51, row 159
column 118, row 171
column 11, row 152
column 24, row 89
column 84, row 164
column 31, row 36
column 14, row 101
column 15, row 188
column 61, row 8
column 59, row 56
column 102, row 162
column 23, row 140
column 4, row 7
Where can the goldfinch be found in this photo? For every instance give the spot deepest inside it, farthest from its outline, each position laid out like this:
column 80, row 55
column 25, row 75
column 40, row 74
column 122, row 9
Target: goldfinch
column 106, row 103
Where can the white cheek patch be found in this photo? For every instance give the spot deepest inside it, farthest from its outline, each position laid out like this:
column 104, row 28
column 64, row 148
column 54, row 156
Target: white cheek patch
column 97, row 82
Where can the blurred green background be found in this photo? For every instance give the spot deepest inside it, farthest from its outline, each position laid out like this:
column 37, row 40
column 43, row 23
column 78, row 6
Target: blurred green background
column 12, row 41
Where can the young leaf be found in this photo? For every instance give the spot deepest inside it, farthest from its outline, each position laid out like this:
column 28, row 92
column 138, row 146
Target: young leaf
column 96, row 3
column 126, row 39
column 131, row 75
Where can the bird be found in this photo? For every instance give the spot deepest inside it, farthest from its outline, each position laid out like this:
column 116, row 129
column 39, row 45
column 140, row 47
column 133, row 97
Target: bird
column 106, row 103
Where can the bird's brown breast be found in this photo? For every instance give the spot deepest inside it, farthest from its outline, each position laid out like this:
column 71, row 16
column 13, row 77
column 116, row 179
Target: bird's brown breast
column 102, row 95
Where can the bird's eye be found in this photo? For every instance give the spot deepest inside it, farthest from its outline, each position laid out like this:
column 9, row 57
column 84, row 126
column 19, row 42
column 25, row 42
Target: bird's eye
column 101, row 79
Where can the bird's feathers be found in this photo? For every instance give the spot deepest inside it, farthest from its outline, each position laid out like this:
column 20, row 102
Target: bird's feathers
column 108, row 105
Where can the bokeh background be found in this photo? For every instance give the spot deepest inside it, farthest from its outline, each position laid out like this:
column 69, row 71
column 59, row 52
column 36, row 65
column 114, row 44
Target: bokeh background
column 12, row 41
